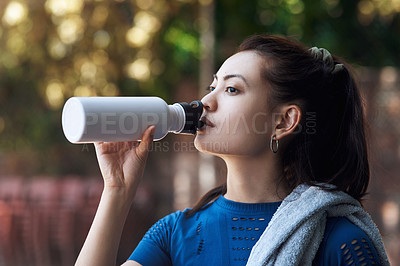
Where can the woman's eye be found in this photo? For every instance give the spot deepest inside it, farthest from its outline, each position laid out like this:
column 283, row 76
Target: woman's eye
column 210, row 88
column 232, row 90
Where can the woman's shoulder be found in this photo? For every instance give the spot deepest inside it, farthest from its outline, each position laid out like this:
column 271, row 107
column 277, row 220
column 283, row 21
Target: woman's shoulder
column 178, row 218
column 340, row 229
column 344, row 243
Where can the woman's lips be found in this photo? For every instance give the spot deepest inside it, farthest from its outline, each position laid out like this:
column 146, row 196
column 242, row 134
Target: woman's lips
column 206, row 122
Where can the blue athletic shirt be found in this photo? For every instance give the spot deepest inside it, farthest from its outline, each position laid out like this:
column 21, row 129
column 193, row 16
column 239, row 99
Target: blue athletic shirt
column 225, row 232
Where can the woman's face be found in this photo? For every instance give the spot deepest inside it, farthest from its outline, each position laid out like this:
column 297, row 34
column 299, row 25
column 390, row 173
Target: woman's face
column 238, row 121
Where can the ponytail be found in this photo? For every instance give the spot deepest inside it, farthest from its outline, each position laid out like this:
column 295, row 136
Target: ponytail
column 210, row 196
column 336, row 152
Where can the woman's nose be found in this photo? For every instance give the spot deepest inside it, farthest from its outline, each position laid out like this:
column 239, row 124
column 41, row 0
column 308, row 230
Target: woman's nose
column 209, row 102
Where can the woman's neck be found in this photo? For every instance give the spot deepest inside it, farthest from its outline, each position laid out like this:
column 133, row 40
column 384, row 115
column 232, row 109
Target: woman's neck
column 255, row 179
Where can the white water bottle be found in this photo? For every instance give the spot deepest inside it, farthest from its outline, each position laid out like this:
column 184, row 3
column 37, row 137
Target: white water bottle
column 110, row 119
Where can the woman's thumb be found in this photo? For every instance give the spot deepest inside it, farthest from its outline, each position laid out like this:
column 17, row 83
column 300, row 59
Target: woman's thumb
column 147, row 140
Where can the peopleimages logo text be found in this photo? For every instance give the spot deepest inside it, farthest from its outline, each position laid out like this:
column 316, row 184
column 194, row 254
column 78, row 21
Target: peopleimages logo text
column 129, row 123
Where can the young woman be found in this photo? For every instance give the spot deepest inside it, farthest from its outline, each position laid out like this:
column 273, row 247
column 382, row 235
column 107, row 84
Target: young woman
column 291, row 122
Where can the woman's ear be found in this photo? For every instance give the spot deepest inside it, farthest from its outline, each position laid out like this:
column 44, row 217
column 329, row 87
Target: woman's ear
column 287, row 120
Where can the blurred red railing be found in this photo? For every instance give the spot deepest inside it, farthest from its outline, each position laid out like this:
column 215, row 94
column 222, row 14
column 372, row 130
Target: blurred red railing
column 44, row 221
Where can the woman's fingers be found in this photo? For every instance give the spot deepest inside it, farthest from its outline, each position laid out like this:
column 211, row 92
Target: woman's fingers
column 145, row 145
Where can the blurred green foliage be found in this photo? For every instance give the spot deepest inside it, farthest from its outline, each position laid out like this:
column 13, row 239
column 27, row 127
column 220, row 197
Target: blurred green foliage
column 365, row 32
column 54, row 49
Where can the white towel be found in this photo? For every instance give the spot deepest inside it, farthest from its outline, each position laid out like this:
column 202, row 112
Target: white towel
column 297, row 228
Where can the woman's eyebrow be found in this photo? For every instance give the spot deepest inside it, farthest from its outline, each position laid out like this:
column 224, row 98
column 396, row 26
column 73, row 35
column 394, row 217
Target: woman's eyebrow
column 232, row 76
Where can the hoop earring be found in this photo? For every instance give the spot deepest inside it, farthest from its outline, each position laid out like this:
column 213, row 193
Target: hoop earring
column 271, row 144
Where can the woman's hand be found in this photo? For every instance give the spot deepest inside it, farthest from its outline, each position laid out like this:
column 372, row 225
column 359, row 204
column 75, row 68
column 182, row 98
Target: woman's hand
column 122, row 163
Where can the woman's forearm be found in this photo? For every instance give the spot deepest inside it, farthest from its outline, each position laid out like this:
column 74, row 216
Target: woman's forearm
column 102, row 242
column 122, row 165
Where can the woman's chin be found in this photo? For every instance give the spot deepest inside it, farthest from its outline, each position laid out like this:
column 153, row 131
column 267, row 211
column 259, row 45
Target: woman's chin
column 203, row 143
column 199, row 143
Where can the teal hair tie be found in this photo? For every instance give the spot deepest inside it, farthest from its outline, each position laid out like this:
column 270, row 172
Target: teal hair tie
column 326, row 57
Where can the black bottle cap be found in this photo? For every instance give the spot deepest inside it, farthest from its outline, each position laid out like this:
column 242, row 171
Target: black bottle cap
column 193, row 113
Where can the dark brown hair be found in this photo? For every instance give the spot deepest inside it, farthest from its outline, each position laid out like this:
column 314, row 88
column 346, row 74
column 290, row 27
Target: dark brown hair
column 334, row 149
